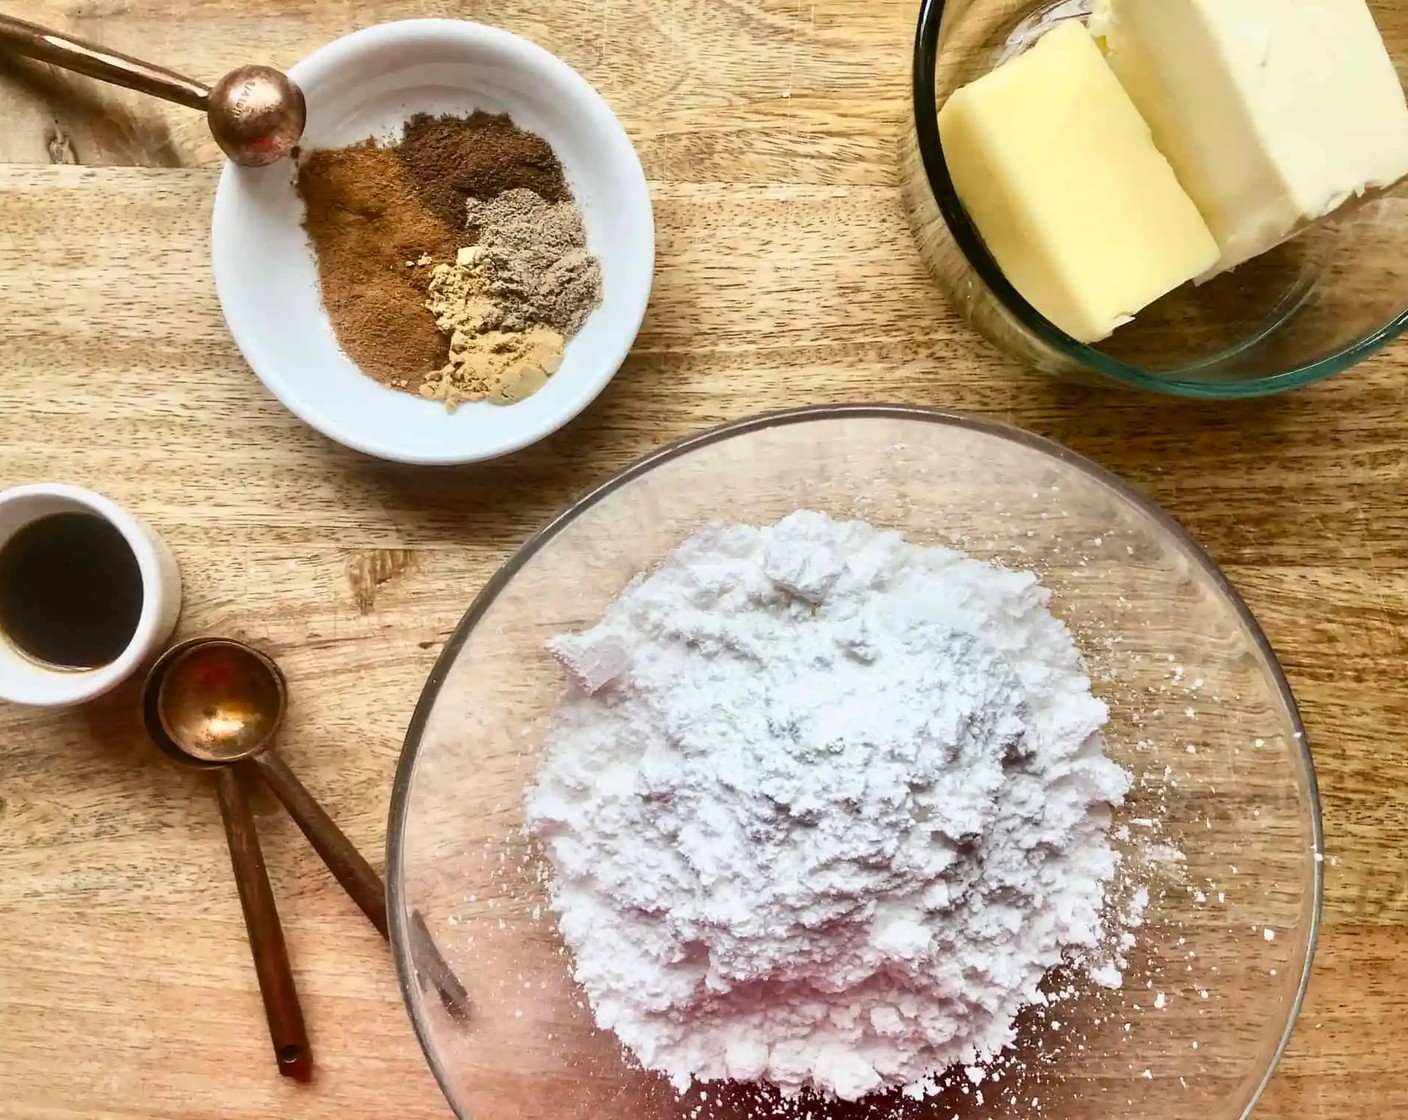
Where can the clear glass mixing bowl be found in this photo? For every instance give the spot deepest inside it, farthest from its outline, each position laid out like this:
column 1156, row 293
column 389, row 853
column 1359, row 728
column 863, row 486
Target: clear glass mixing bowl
column 1309, row 309
column 1222, row 827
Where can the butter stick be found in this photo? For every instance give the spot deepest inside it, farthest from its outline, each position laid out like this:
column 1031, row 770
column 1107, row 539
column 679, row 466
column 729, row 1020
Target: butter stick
column 1272, row 112
column 1061, row 177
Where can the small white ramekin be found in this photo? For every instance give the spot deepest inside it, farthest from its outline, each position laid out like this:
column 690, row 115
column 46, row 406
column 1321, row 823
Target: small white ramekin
column 24, row 681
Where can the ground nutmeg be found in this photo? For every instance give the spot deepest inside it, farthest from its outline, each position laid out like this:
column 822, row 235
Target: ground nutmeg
column 449, row 160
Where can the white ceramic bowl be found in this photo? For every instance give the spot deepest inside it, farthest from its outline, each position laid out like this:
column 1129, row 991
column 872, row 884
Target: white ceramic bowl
column 366, row 85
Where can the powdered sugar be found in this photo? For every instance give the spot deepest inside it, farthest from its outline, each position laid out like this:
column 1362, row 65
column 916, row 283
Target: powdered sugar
column 824, row 807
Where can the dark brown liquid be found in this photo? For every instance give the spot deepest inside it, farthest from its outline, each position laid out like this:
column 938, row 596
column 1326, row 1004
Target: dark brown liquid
column 70, row 591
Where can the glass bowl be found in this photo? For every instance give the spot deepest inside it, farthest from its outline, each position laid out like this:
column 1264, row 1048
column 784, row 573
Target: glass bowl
column 1222, row 825
column 1302, row 312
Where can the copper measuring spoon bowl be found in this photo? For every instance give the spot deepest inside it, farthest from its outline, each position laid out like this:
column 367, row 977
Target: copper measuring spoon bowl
column 221, row 703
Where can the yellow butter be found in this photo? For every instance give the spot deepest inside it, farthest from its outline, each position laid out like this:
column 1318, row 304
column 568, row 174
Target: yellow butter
column 1272, row 112
column 1061, row 177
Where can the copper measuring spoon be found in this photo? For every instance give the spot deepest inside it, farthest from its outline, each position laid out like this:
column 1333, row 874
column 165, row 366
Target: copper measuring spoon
column 221, row 702
column 256, row 113
column 287, row 1030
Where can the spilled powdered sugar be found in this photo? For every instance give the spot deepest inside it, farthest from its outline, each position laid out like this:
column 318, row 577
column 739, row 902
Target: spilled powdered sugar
column 823, row 808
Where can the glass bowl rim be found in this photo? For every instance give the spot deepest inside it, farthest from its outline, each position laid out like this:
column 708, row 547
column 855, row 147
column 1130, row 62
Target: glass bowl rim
column 975, row 251
column 489, row 593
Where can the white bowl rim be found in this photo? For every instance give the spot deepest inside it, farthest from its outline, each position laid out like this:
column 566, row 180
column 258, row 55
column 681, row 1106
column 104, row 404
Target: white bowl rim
column 323, row 62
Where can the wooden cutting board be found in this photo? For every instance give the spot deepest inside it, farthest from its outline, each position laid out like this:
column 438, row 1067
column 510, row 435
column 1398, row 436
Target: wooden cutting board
column 769, row 130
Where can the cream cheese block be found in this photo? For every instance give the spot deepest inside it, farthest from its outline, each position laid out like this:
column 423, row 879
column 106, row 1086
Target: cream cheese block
column 1059, row 173
column 1272, row 112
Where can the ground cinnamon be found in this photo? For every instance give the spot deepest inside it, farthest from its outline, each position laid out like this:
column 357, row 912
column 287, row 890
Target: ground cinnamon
column 368, row 226
column 452, row 159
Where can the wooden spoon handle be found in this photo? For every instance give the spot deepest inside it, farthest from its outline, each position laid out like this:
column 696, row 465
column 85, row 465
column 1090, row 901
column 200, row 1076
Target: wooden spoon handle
column 266, row 936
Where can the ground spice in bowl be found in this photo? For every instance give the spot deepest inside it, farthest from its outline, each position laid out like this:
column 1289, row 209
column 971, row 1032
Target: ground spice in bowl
column 450, row 160
column 512, row 298
column 454, row 262
column 536, row 252
column 366, row 222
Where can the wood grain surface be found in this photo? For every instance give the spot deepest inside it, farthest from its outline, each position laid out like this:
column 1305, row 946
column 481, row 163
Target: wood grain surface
column 769, row 130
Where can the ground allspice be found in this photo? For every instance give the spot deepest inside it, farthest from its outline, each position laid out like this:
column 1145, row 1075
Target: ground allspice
column 451, row 159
